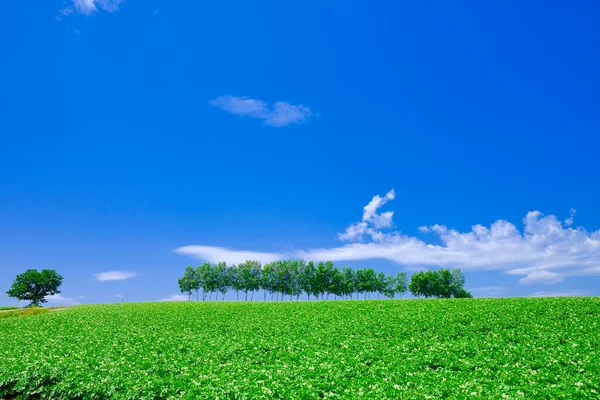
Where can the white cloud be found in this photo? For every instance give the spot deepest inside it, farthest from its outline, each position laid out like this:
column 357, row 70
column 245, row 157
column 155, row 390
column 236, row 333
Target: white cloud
column 87, row 7
column 488, row 291
column 355, row 231
column 114, row 276
column 541, row 276
column 562, row 293
column 569, row 221
column 544, row 251
column 280, row 114
column 60, row 300
column 176, row 297
column 371, row 223
column 376, row 203
column 218, row 254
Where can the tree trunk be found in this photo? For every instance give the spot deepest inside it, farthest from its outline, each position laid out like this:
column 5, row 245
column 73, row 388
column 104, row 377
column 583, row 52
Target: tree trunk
column 246, row 296
column 252, row 297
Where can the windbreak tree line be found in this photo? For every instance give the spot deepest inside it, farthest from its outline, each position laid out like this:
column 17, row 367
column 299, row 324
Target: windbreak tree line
column 292, row 278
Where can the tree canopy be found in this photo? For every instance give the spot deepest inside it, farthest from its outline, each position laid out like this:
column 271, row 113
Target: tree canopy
column 289, row 278
column 35, row 286
column 442, row 283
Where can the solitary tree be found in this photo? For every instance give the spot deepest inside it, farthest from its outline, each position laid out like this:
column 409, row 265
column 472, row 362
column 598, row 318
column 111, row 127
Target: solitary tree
column 34, row 286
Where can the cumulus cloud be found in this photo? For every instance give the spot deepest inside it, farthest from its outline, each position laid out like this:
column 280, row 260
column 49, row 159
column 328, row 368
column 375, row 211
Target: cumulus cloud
column 279, row 114
column 176, row 297
column 87, row 7
column 372, row 222
column 544, row 250
column 114, row 276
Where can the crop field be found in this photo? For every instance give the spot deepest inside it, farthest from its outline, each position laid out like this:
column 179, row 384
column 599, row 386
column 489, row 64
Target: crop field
column 405, row 349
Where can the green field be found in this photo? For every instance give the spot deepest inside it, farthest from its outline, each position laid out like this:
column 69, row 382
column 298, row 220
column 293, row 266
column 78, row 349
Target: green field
column 413, row 349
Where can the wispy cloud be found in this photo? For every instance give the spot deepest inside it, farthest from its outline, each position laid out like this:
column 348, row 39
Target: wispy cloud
column 60, row 300
column 114, row 276
column 488, row 291
column 544, row 251
column 217, row 254
column 279, row 114
column 541, row 276
column 87, row 7
column 562, row 293
column 176, row 297
column 569, row 221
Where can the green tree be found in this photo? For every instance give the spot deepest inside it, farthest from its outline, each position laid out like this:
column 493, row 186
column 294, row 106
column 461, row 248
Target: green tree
column 187, row 281
column 204, row 276
column 222, row 278
column 401, row 283
column 255, row 277
column 245, row 277
column 335, row 282
column 369, row 281
column 322, row 278
column 380, row 283
column 296, row 268
column 235, row 280
column 389, row 287
column 442, row 283
column 269, row 279
column 308, row 279
column 251, row 277
column 34, row 286
column 348, row 281
column 463, row 294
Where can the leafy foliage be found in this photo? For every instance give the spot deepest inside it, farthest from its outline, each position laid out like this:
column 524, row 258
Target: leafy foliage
column 9, row 308
column 442, row 283
column 415, row 349
column 34, row 286
column 289, row 278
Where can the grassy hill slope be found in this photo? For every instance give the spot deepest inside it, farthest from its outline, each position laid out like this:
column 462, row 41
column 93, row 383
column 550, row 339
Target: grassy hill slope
column 482, row 348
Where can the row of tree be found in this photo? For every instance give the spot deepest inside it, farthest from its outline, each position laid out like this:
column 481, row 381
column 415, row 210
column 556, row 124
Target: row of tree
column 294, row 277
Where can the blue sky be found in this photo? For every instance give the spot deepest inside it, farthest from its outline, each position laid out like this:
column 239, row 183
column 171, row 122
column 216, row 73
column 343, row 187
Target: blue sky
column 134, row 130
